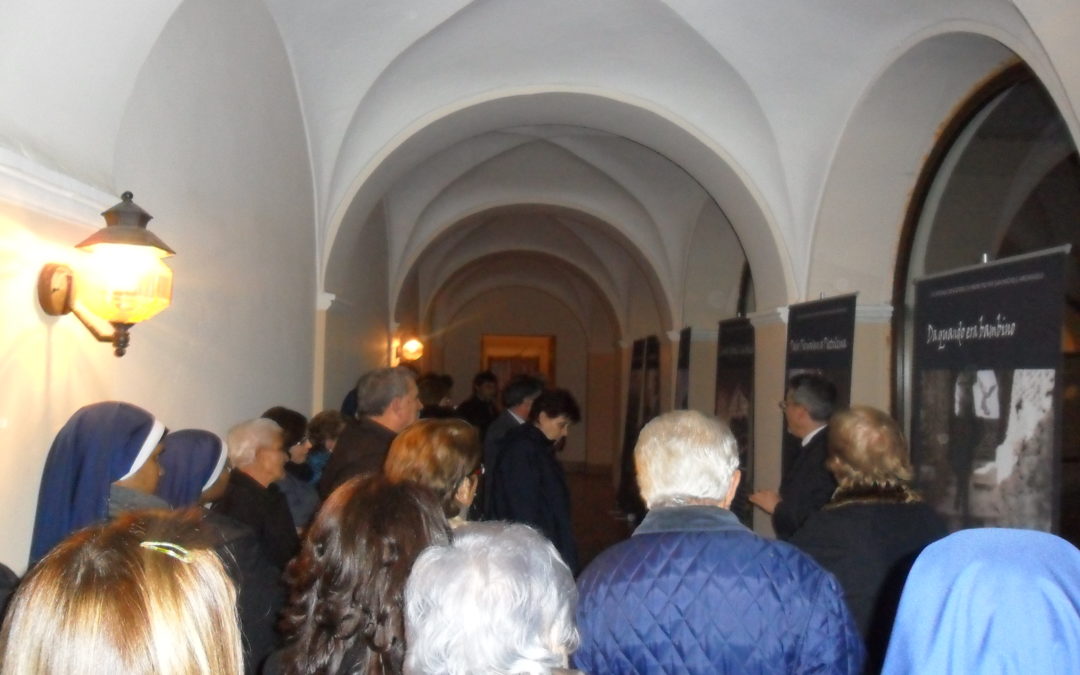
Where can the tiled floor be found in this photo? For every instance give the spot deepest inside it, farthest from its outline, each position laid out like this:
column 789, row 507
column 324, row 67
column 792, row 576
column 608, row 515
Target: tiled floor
column 592, row 505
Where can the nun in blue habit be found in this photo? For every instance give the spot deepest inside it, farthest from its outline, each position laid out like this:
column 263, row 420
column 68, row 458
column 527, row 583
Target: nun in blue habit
column 193, row 466
column 101, row 444
column 990, row 601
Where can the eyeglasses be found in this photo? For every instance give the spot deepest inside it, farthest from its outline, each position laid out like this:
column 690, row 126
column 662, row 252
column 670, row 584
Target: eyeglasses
column 303, row 439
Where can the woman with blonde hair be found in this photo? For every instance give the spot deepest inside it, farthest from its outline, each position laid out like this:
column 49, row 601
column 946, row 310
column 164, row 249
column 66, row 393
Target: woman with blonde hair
column 143, row 594
column 875, row 525
column 443, row 455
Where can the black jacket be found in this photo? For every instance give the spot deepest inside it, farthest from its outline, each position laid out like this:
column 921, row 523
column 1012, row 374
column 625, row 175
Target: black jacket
column 869, row 542
column 361, row 448
column 528, row 486
column 260, row 593
column 805, row 486
column 266, row 512
column 478, row 413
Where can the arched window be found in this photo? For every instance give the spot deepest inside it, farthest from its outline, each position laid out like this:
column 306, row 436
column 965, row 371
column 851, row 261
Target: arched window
column 1003, row 180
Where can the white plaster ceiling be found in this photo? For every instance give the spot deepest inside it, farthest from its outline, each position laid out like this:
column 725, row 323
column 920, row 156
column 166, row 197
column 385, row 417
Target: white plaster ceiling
column 594, row 131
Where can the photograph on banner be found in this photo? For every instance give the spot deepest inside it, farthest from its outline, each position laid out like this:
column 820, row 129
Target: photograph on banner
column 820, row 341
column 734, row 402
column 650, row 402
column 985, row 426
column 682, row 371
column 629, row 501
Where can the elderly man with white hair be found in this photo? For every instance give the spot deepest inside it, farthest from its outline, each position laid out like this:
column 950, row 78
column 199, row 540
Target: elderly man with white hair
column 693, row 590
column 251, row 497
column 498, row 601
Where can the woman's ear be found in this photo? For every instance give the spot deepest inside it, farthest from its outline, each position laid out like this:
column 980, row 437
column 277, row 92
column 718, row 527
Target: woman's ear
column 466, row 490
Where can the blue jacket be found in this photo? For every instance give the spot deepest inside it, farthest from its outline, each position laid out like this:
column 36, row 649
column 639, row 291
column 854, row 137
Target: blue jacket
column 695, row 591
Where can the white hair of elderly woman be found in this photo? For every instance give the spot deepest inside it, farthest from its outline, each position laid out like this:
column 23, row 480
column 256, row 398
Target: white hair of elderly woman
column 499, row 600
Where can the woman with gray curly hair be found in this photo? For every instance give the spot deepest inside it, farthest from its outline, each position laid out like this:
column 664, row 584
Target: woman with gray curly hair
column 500, row 600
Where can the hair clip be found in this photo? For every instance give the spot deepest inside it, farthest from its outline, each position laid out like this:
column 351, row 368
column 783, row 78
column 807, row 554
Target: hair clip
column 168, row 548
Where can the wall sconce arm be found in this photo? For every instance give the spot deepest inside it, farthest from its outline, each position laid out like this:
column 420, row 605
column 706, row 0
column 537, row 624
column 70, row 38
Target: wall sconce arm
column 56, row 298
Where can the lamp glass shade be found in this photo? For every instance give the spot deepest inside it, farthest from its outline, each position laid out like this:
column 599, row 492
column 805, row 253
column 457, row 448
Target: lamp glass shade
column 123, row 283
column 412, row 350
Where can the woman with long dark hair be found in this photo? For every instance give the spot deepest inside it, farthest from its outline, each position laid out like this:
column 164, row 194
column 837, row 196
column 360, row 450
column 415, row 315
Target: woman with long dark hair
column 345, row 610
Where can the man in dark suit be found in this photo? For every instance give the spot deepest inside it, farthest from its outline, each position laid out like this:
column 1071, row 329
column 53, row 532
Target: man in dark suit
column 805, row 484
column 517, row 399
column 387, row 402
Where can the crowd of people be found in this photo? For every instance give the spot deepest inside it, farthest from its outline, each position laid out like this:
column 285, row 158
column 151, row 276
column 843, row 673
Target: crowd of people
column 404, row 535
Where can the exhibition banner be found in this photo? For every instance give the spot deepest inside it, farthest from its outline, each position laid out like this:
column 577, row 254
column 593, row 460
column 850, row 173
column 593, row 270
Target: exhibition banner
column 629, row 501
column 986, row 400
column 682, row 371
column 820, row 340
column 735, row 401
column 650, row 403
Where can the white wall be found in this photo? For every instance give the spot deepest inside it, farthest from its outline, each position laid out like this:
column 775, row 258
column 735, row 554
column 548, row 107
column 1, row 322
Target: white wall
column 357, row 323
column 221, row 164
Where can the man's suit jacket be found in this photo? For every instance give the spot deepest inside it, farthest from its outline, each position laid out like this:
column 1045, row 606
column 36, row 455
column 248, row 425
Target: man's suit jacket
column 502, row 424
column 805, row 486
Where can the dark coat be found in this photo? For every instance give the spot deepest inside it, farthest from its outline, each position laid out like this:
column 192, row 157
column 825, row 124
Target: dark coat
column 266, row 512
column 805, row 486
column 478, row 413
column 694, row 591
column 361, row 448
column 528, row 486
column 260, row 594
column 9, row 581
column 502, row 424
column 870, row 542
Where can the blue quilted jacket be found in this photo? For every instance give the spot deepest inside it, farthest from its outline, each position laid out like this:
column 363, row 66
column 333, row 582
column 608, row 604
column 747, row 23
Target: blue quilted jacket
column 694, row 591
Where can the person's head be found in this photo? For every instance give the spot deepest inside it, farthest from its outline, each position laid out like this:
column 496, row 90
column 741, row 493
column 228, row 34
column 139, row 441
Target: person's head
column 499, row 600
column 485, row 385
column 194, row 467
column 388, row 395
column 325, row 427
column 866, row 448
column 520, row 392
column 100, row 445
column 347, row 584
column 256, row 447
column 143, row 594
column 294, row 432
column 809, row 401
column 990, row 600
column 685, row 457
column 553, row 411
column 443, row 455
column 433, row 390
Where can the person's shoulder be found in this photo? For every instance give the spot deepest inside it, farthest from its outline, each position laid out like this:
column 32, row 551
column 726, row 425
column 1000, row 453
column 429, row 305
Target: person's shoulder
column 612, row 558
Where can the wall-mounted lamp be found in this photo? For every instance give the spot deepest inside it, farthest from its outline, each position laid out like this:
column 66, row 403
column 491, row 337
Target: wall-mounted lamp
column 121, row 279
column 411, row 350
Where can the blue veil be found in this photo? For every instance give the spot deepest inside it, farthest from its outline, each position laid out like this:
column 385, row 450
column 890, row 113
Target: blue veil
column 101, row 444
column 990, row 601
column 192, row 460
